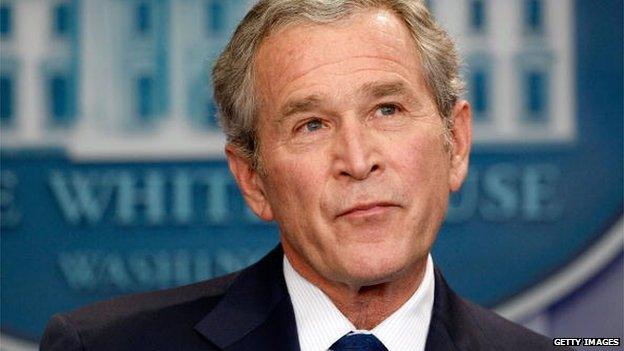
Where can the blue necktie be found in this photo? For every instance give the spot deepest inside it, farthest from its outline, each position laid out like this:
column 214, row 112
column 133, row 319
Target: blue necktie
column 358, row 342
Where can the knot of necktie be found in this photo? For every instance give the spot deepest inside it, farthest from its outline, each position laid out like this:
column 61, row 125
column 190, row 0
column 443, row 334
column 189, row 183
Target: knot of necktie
column 358, row 342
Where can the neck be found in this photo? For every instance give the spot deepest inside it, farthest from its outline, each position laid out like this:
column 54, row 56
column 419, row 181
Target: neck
column 365, row 306
column 368, row 306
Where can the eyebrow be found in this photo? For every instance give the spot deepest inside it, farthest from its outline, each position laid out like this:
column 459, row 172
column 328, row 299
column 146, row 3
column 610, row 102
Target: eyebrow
column 379, row 90
column 306, row 104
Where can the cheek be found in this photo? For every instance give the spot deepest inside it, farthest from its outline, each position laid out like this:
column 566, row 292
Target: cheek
column 296, row 187
column 422, row 163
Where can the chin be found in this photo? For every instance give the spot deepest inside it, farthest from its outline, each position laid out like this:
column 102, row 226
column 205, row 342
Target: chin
column 366, row 270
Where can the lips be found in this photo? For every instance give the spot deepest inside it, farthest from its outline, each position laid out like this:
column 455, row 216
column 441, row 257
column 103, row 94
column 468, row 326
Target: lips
column 367, row 209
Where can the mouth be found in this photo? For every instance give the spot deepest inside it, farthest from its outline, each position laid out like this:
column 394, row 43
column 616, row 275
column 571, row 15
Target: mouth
column 367, row 209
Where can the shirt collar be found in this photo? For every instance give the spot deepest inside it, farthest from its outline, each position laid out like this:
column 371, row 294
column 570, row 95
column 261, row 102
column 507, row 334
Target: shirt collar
column 320, row 323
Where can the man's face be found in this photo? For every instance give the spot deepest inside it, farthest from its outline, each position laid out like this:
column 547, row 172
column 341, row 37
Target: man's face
column 356, row 172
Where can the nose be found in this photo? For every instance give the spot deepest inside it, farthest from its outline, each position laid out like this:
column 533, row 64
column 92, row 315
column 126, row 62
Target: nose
column 356, row 155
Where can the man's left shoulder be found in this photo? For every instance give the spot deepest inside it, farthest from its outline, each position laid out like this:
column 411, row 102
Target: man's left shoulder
column 472, row 327
column 503, row 334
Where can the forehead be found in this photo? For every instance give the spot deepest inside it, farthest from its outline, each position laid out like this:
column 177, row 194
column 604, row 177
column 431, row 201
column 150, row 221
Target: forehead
column 367, row 41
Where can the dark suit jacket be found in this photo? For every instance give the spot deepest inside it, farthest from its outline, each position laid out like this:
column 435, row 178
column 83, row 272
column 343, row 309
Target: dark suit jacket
column 251, row 310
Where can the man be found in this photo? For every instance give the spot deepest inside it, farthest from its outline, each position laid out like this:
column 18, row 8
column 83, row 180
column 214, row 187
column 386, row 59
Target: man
column 345, row 125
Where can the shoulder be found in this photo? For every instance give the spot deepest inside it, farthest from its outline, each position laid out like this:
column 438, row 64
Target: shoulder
column 503, row 334
column 136, row 319
column 203, row 293
column 472, row 327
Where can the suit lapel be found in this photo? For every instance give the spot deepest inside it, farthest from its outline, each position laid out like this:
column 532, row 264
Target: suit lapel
column 451, row 327
column 256, row 312
column 439, row 338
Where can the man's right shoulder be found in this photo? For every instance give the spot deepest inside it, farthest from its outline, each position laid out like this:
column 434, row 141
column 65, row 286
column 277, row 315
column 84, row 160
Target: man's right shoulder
column 133, row 322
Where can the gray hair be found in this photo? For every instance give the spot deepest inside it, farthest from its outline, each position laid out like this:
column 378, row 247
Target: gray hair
column 233, row 74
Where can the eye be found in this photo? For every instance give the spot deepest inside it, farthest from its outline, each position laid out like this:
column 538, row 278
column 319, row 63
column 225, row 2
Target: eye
column 387, row 110
column 311, row 126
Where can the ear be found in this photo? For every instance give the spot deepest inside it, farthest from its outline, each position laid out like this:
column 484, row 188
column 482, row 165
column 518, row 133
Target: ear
column 249, row 182
column 461, row 141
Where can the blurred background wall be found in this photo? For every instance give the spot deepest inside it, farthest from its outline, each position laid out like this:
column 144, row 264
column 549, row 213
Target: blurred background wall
column 113, row 180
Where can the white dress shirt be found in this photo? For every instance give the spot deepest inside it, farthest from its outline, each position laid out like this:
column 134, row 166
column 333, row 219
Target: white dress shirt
column 320, row 323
